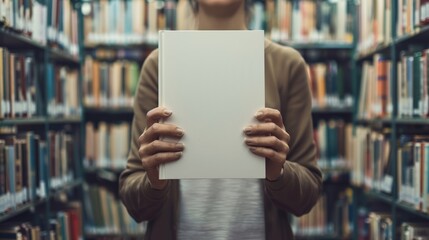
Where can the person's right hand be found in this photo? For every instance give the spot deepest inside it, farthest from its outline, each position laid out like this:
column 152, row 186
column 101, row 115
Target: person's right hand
column 154, row 151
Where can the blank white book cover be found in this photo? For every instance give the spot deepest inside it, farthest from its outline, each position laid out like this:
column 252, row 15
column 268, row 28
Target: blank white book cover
column 213, row 81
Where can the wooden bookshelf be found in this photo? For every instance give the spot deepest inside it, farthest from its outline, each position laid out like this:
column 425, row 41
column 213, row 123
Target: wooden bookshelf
column 10, row 38
column 21, row 209
column 380, row 196
column 62, row 57
column 368, row 55
column 420, row 36
column 46, row 131
column 409, row 209
column 23, row 121
column 396, row 127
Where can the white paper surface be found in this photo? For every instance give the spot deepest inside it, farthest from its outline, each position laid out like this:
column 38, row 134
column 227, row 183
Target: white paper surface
column 213, row 81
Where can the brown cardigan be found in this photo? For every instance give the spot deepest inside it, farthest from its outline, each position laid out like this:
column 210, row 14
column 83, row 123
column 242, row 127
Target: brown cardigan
column 296, row 191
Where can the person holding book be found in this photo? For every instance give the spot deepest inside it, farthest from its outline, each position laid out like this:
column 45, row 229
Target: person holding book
column 226, row 208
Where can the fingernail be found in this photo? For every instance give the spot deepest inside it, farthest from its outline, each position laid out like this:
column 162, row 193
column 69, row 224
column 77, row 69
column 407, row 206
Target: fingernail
column 167, row 112
column 180, row 132
column 179, row 154
column 248, row 130
column 180, row 145
column 247, row 140
column 252, row 149
column 258, row 113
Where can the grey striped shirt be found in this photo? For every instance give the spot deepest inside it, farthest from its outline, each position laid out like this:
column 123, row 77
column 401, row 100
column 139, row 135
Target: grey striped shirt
column 220, row 209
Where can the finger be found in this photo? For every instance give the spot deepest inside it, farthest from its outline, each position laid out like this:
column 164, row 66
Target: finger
column 160, row 129
column 270, row 114
column 153, row 161
column 268, row 142
column 153, row 175
column 268, row 128
column 158, row 146
column 156, row 114
column 276, row 157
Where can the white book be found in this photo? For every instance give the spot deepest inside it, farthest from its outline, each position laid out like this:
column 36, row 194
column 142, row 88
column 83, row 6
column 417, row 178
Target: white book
column 213, row 81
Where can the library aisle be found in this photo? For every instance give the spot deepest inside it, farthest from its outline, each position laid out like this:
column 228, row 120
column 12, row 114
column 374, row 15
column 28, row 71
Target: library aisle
column 69, row 70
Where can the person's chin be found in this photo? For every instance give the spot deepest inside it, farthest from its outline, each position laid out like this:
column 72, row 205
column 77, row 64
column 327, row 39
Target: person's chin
column 220, row 8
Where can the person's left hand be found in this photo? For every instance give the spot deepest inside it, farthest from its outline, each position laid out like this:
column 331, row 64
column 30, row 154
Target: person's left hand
column 269, row 139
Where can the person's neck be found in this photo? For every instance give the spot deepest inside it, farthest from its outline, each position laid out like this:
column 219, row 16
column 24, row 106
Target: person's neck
column 211, row 21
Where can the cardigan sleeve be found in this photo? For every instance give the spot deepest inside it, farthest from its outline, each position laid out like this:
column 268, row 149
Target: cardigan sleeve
column 141, row 201
column 298, row 188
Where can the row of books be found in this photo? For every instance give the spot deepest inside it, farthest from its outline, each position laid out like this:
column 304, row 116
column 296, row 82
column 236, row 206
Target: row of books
column 111, row 55
column 332, row 215
column 105, row 214
column 62, row 26
column 379, row 225
column 414, row 230
column 28, row 164
column 375, row 92
column 371, row 160
column 62, row 157
column 134, row 21
column 333, row 141
column 375, row 98
column 62, row 96
column 110, row 84
column 26, row 16
column 413, row 171
column 107, row 145
column 412, row 15
column 413, row 86
column 375, row 21
column 375, row 24
column 23, row 169
column 306, row 20
column 114, row 83
column 329, row 85
column 18, row 91
column 65, row 225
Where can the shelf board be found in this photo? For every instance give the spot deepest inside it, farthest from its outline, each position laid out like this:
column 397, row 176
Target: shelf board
column 376, row 122
column 412, row 121
column 23, row 121
column 419, row 36
column 407, row 208
column 369, row 54
column 331, row 110
column 20, row 209
column 11, row 39
column 380, row 196
column 28, row 206
column 68, row 186
column 321, row 50
column 64, row 120
column 109, row 110
column 60, row 56
column 40, row 120
column 318, row 45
